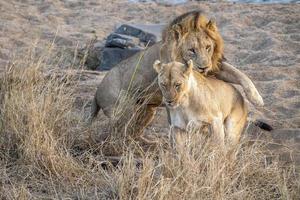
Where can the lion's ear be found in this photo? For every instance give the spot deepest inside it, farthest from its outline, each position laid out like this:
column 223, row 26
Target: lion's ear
column 157, row 66
column 176, row 29
column 190, row 66
column 212, row 25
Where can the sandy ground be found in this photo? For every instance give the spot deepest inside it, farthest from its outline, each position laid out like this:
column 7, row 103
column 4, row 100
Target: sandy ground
column 261, row 40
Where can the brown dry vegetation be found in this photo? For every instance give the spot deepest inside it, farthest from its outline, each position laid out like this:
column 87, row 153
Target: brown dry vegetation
column 48, row 152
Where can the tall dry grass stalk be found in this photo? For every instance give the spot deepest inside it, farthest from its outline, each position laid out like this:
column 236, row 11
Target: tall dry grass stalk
column 38, row 130
column 199, row 170
column 46, row 152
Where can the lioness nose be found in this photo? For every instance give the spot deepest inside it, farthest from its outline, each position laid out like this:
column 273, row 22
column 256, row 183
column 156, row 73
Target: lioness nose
column 170, row 101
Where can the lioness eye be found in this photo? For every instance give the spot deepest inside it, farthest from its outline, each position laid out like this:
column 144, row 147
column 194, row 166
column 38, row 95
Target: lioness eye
column 177, row 86
column 208, row 48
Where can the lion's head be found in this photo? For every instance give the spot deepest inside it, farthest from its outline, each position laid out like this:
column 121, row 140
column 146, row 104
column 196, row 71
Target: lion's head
column 193, row 36
column 173, row 81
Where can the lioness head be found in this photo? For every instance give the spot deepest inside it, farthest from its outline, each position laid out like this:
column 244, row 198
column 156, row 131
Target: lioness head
column 192, row 36
column 173, row 80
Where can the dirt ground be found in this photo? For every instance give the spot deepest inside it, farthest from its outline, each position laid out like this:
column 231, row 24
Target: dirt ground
column 261, row 40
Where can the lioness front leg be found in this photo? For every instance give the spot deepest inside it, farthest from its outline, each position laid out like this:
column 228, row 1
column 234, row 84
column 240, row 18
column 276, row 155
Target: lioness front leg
column 177, row 137
column 231, row 74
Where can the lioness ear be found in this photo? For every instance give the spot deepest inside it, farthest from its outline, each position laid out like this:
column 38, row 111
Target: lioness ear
column 190, row 66
column 212, row 25
column 157, row 66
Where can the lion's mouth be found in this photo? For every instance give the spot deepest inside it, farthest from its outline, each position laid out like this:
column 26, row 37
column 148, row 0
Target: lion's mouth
column 201, row 69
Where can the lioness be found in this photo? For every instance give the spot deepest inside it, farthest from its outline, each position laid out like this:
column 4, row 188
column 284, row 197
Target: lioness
column 189, row 36
column 192, row 97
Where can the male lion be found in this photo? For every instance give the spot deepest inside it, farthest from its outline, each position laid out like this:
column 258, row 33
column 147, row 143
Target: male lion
column 192, row 97
column 189, row 36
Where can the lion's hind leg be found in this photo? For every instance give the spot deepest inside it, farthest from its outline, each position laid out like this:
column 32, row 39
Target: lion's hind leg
column 94, row 110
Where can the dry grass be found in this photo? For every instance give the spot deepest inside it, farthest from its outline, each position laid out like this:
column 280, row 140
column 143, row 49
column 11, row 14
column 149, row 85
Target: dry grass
column 47, row 152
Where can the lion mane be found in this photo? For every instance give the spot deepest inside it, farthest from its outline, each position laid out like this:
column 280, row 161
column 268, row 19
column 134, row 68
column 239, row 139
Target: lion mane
column 195, row 21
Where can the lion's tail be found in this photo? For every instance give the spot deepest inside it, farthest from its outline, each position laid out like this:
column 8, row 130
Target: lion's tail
column 263, row 125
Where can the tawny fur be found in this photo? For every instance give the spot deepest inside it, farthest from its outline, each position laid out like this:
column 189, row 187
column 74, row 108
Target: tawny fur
column 189, row 24
column 171, row 48
column 194, row 98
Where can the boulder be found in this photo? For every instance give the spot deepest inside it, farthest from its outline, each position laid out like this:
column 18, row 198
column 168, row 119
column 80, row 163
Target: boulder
column 112, row 56
column 124, row 42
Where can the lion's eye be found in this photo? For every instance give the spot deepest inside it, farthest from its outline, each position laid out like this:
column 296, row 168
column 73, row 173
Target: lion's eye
column 208, row 48
column 177, row 86
column 192, row 51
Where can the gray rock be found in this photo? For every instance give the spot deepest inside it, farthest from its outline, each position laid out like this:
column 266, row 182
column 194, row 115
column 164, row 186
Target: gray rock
column 120, row 41
column 137, row 32
column 112, row 56
column 123, row 43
